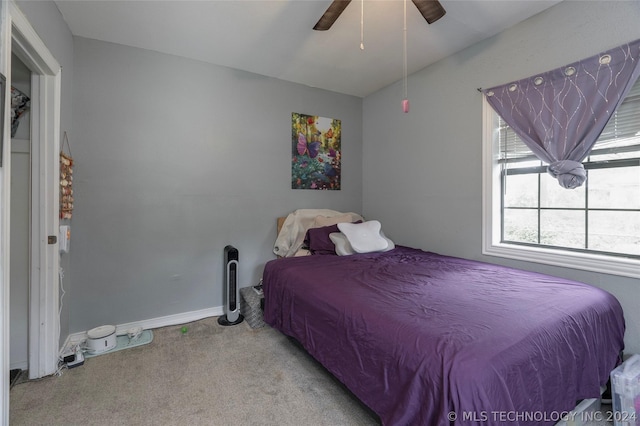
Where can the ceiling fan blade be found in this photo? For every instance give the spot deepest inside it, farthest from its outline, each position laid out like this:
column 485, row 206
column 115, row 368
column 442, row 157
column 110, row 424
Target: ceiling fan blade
column 331, row 14
column 432, row 10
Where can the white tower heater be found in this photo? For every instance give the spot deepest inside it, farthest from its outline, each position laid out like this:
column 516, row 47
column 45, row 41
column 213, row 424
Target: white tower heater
column 232, row 315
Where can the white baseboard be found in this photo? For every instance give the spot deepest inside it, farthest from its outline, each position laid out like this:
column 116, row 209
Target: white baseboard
column 183, row 318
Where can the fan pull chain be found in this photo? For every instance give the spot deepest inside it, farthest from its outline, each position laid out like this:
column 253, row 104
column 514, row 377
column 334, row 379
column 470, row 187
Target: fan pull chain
column 405, row 101
column 362, row 25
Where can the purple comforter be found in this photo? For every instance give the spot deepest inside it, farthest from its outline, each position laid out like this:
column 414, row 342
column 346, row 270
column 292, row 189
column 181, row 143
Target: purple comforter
column 425, row 339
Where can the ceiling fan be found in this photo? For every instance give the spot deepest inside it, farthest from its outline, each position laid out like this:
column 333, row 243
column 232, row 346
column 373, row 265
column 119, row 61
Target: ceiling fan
column 432, row 10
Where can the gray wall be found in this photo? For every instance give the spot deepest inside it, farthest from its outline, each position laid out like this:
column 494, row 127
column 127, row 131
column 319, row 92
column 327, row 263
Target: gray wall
column 176, row 159
column 433, row 197
column 47, row 21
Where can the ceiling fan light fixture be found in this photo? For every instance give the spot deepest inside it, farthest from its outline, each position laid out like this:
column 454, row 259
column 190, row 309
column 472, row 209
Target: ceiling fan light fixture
column 431, row 10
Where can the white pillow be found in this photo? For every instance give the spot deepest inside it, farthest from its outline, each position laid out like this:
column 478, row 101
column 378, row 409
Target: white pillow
column 343, row 248
column 391, row 243
column 364, row 237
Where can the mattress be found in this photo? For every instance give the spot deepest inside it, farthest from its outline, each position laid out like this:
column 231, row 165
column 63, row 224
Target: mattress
column 426, row 339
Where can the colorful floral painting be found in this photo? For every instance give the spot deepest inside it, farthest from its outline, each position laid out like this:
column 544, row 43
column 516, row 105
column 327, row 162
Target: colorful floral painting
column 315, row 151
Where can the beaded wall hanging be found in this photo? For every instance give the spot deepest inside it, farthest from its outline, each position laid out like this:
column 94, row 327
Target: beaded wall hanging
column 66, row 180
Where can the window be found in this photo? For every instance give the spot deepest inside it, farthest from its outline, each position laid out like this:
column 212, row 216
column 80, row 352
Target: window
column 529, row 216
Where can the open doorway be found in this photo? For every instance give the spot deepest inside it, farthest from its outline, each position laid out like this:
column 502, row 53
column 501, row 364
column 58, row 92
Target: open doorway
column 20, row 222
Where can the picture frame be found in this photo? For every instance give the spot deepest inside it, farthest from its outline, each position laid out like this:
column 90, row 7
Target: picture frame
column 316, row 152
column 3, row 88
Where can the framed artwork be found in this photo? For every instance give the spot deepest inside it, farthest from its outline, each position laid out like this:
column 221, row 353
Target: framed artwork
column 3, row 87
column 316, row 152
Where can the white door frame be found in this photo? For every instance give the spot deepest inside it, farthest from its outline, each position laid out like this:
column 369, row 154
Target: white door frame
column 44, row 320
column 5, row 209
column 19, row 37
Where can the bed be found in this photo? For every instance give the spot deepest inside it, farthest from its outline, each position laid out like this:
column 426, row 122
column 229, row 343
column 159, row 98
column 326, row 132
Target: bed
column 427, row 339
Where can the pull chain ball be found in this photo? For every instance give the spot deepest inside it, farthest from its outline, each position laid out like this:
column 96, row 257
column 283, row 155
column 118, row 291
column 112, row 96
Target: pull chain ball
column 405, row 105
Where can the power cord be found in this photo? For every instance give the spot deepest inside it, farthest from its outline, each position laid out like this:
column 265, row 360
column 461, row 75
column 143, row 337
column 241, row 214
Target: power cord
column 60, row 276
column 60, row 279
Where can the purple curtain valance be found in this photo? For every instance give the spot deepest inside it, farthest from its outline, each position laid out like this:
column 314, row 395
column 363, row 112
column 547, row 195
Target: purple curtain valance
column 560, row 114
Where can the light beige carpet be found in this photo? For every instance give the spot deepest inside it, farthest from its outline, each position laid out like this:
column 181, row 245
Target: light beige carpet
column 212, row 375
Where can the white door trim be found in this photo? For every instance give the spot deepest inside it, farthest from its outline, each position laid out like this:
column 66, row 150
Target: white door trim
column 44, row 321
column 5, row 209
column 17, row 35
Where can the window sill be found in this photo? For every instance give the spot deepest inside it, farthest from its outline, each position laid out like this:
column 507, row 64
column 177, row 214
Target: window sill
column 583, row 261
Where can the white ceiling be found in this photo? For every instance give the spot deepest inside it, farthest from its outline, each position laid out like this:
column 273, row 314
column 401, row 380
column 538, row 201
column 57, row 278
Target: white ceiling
column 275, row 37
